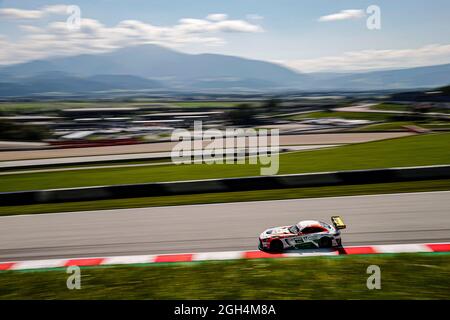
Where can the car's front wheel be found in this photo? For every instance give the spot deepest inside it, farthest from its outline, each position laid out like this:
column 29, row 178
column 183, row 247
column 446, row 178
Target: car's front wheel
column 276, row 246
column 325, row 242
column 260, row 246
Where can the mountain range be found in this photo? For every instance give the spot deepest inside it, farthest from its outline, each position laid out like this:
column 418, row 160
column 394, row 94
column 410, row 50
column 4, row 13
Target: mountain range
column 151, row 68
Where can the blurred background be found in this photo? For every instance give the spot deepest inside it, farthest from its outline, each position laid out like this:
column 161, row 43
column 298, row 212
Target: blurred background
column 90, row 94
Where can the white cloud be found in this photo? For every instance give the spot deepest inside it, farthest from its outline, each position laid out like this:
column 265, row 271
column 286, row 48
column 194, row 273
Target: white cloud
column 217, row 17
column 56, row 9
column 55, row 38
column 237, row 26
column 200, row 25
column 21, row 14
column 30, row 28
column 375, row 59
column 344, row 15
column 12, row 13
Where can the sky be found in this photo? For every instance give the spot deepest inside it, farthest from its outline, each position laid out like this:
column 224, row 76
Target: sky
column 305, row 35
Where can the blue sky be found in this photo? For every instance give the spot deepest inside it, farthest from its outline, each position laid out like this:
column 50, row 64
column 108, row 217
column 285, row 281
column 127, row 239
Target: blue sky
column 285, row 31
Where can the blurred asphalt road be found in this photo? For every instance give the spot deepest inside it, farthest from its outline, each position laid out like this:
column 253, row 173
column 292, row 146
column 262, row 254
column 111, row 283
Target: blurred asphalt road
column 285, row 140
column 374, row 219
column 130, row 157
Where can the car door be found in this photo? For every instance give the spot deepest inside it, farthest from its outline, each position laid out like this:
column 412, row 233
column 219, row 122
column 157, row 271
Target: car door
column 311, row 234
column 302, row 238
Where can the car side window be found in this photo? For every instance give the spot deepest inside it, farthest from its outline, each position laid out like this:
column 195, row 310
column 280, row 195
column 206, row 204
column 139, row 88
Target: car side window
column 308, row 230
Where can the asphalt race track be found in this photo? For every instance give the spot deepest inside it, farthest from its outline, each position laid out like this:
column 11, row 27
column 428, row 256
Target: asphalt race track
column 285, row 140
column 375, row 219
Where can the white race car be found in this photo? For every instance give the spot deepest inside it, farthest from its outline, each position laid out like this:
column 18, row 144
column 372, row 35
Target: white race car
column 305, row 234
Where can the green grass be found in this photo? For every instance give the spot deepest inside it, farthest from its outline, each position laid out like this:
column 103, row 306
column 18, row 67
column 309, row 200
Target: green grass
column 344, row 115
column 399, row 126
column 402, row 107
column 403, row 276
column 294, row 193
column 436, row 125
column 392, row 107
column 385, row 126
column 410, row 151
column 209, row 104
column 41, row 106
column 36, row 106
column 85, row 165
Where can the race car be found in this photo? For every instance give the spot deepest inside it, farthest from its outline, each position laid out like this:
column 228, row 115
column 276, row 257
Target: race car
column 305, row 234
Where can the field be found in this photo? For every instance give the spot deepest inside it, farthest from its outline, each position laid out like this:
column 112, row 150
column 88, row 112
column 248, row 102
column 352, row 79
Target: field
column 344, row 115
column 392, row 107
column 403, row 276
column 210, row 104
column 417, row 150
column 389, row 121
column 27, row 107
column 40, row 106
column 75, row 166
column 403, row 107
column 400, row 126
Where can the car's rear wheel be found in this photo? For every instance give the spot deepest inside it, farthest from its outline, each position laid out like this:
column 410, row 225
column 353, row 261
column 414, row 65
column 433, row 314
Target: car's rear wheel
column 276, row 246
column 325, row 242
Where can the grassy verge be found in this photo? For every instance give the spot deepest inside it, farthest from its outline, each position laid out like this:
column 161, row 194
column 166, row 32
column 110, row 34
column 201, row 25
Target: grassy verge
column 59, row 105
column 403, row 107
column 392, row 107
column 208, row 104
column 87, row 165
column 295, row 193
column 403, row 276
column 410, row 151
column 399, row 126
column 344, row 115
column 436, row 125
column 39, row 106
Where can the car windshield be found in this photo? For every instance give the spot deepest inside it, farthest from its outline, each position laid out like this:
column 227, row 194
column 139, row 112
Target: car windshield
column 294, row 229
column 326, row 226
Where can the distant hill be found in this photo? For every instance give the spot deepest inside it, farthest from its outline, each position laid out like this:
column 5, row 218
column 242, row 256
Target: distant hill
column 430, row 76
column 152, row 61
column 152, row 67
column 60, row 82
column 434, row 95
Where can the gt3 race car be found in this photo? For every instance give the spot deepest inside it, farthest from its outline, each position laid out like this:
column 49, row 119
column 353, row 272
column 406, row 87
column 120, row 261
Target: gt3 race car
column 305, row 234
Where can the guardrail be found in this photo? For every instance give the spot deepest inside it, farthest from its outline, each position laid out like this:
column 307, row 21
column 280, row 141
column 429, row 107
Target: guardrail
column 336, row 178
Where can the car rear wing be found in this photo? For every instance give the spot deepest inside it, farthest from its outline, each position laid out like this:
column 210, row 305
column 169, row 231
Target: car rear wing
column 338, row 222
